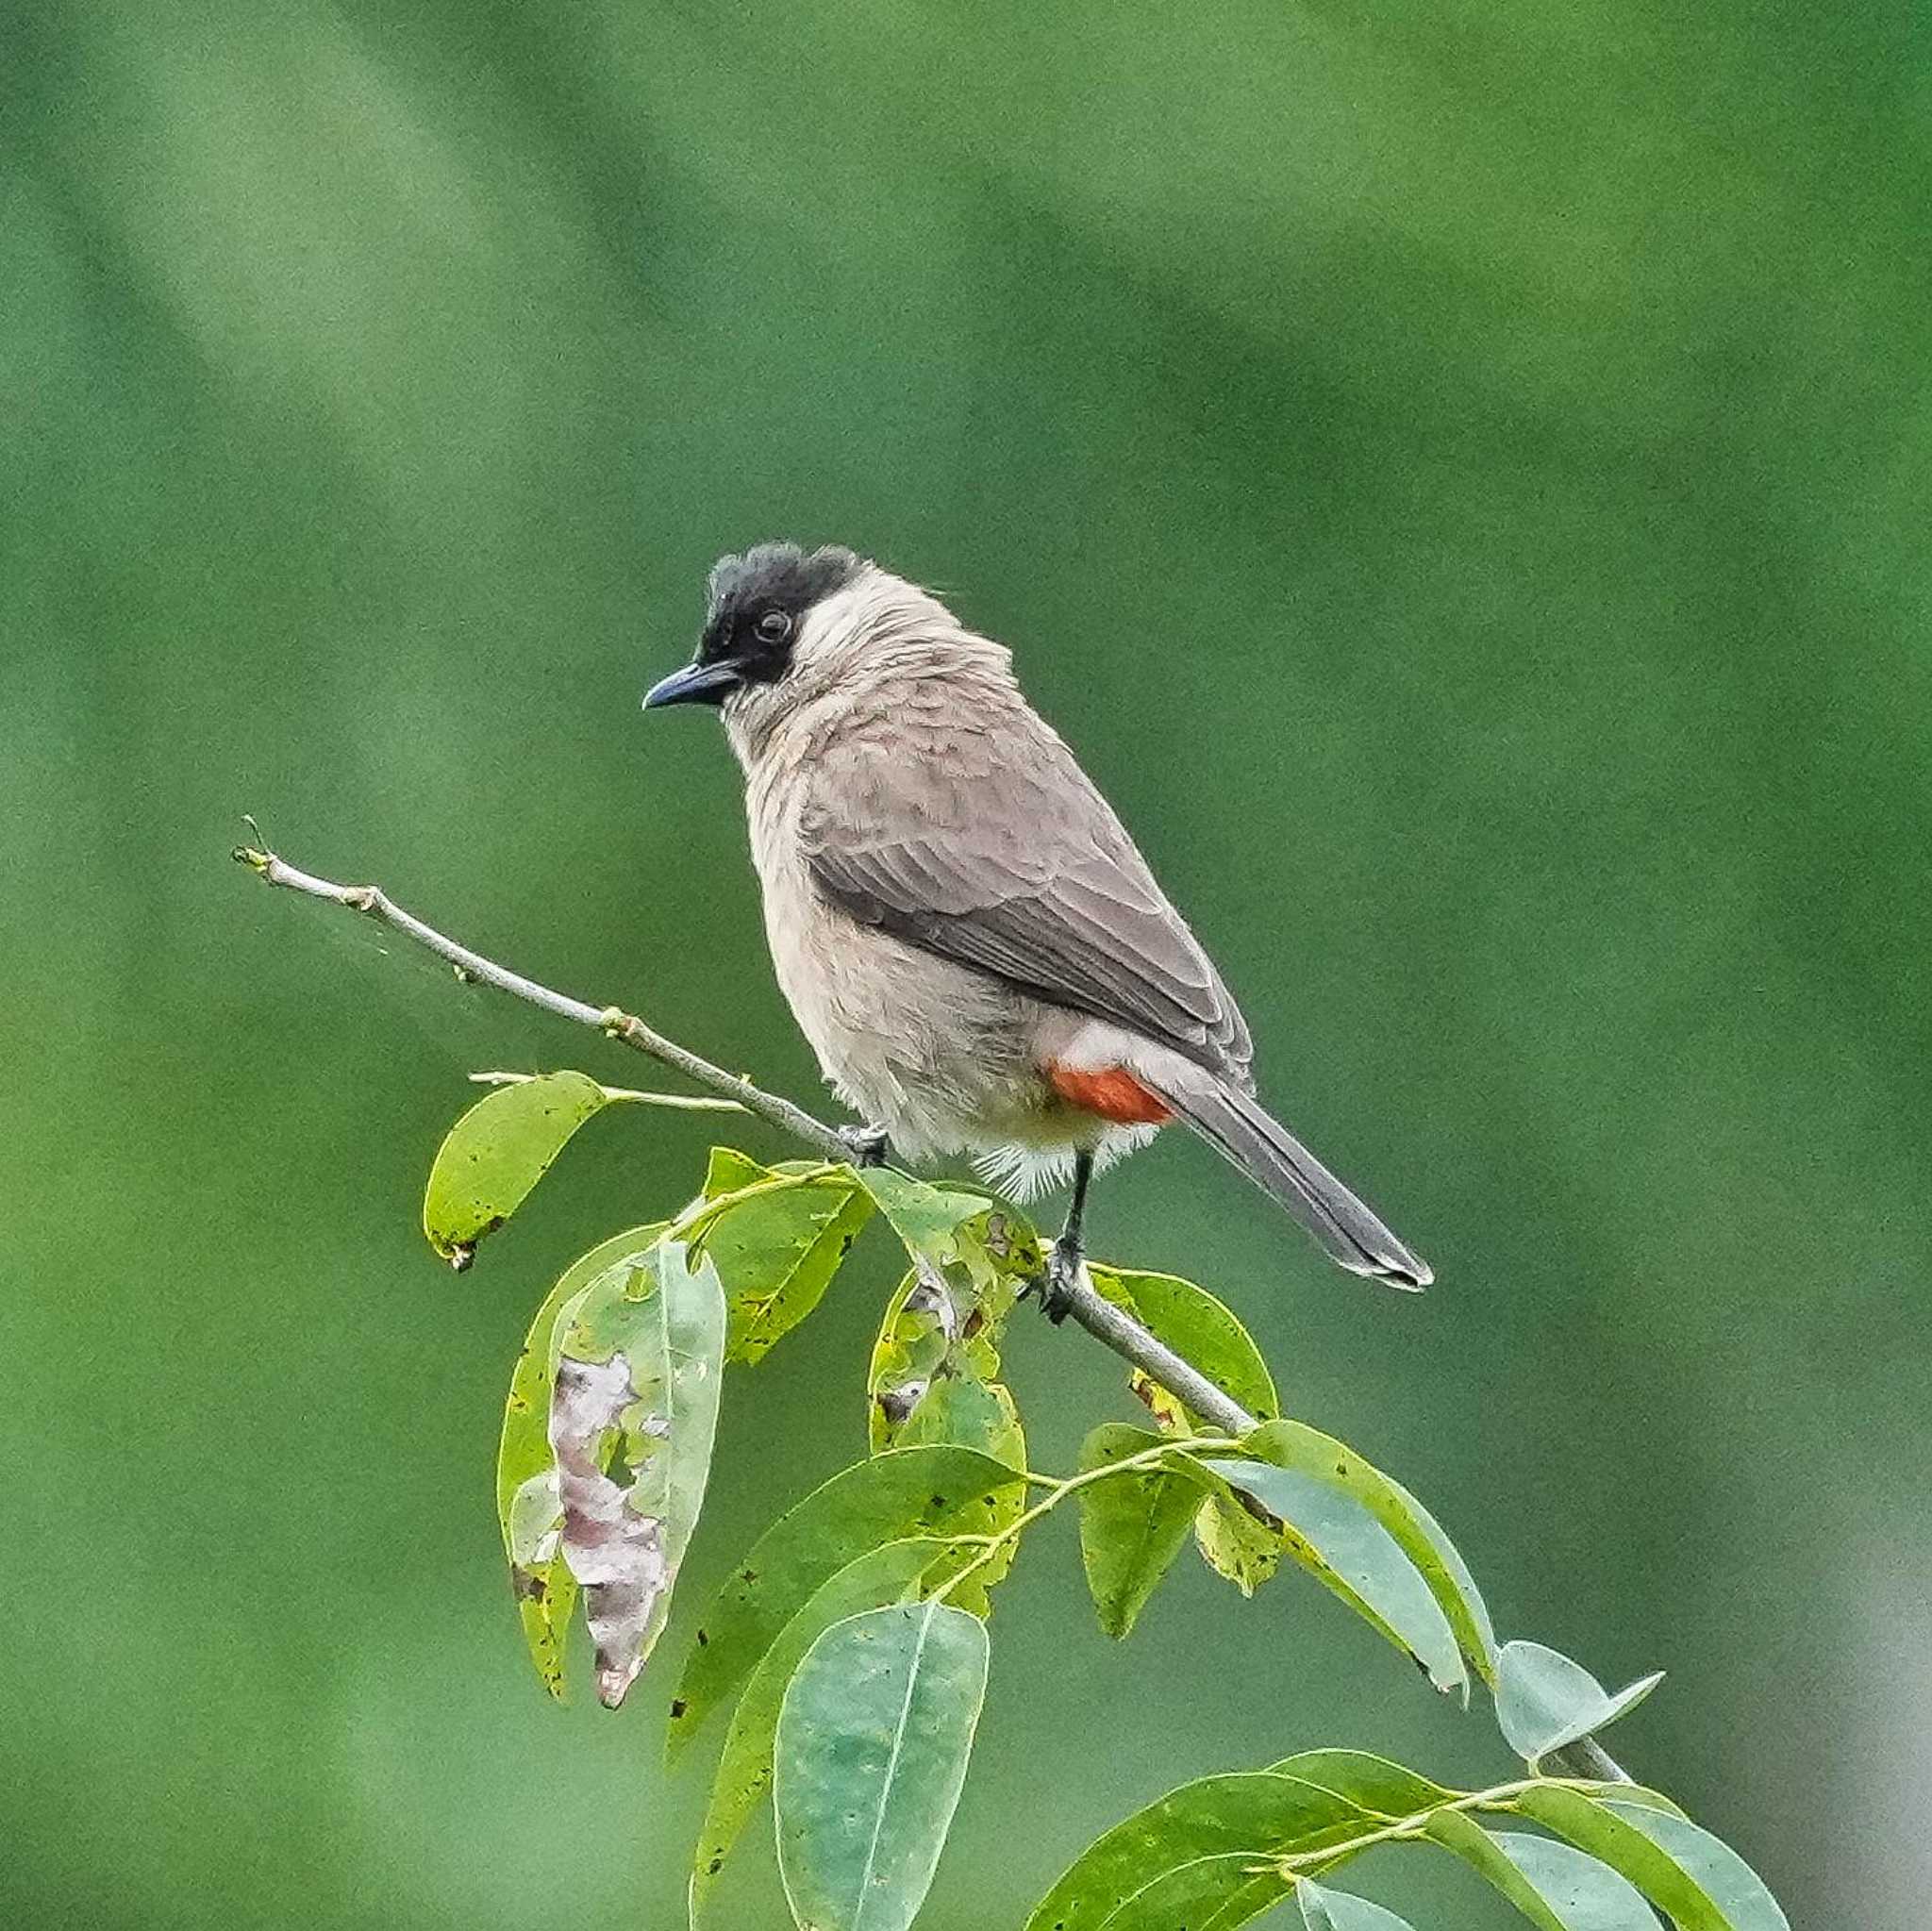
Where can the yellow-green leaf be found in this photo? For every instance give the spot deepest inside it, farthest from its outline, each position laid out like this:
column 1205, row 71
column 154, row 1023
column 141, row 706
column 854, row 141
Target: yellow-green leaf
column 496, row 1153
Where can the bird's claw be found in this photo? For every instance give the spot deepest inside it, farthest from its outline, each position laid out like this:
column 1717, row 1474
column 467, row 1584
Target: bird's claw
column 868, row 1146
column 1065, row 1271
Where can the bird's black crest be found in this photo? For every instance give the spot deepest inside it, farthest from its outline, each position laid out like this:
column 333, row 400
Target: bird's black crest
column 769, row 581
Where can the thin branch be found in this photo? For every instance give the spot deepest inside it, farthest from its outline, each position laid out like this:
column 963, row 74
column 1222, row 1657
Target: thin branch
column 1111, row 1326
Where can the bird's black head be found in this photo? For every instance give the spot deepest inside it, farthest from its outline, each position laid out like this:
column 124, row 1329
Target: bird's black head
column 757, row 606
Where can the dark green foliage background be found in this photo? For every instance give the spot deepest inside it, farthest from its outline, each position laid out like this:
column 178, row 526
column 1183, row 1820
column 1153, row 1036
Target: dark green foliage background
column 1459, row 475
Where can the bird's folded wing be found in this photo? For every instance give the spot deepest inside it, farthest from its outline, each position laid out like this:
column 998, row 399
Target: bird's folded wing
column 1006, row 859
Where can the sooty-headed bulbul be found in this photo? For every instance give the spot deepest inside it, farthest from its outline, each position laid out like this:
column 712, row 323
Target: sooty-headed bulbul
column 967, row 935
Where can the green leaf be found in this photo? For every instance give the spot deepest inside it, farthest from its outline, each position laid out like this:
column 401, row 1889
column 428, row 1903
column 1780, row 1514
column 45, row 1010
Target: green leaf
column 1132, row 1526
column 1544, row 1701
column 1416, row 1532
column 870, row 1757
column 1189, row 1858
column 1375, row 1791
column 777, row 1250
column 904, row 1491
column 1333, row 1537
column 1628, row 1848
column 496, row 1153
column 1339, row 1910
column 638, row 1365
column 1717, row 1869
column 1200, row 1329
column 527, row 1508
column 879, row 1577
column 1372, row 1784
column 1556, row 1886
column 923, row 1216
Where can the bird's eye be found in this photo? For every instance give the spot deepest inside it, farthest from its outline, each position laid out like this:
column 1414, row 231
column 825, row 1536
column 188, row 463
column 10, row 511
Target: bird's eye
column 774, row 626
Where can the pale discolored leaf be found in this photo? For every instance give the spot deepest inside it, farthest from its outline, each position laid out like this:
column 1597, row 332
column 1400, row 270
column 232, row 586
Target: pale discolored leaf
column 1544, row 1701
column 1191, row 1858
column 1555, row 1885
column 903, row 1492
column 777, row 1249
column 527, row 1507
column 1416, row 1532
column 496, row 1153
column 1337, row 1542
column 1132, row 1526
column 1631, row 1850
column 869, row 1760
column 1717, row 1869
column 884, row 1576
column 639, row 1367
column 1339, row 1910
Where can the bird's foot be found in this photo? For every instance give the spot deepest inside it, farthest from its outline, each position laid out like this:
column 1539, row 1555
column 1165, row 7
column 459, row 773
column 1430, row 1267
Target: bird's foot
column 1066, row 1268
column 869, row 1145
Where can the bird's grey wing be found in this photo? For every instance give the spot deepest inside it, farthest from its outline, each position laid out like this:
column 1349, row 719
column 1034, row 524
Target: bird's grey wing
column 993, row 849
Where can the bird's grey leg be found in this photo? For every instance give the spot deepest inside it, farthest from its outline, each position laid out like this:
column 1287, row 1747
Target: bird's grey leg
column 1068, row 1255
column 871, row 1146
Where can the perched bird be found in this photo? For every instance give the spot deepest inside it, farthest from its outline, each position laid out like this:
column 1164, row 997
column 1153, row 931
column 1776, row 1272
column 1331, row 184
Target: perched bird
column 966, row 934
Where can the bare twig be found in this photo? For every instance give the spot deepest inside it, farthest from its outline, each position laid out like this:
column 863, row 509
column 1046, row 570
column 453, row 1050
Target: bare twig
column 1113, row 1327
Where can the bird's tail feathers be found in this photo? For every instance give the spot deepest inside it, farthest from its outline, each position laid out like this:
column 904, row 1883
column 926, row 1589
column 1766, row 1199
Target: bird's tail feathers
column 1236, row 1126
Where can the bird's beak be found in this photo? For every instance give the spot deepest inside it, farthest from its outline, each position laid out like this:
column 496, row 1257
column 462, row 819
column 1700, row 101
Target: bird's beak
column 695, row 684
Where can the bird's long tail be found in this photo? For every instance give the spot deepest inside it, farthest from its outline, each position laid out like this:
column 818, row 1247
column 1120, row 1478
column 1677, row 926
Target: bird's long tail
column 1237, row 1128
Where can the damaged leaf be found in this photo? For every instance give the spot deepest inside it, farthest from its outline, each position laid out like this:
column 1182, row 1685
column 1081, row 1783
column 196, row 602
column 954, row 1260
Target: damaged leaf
column 632, row 1415
column 869, row 1759
column 777, row 1250
column 891, row 1573
column 1207, row 1333
column 1131, row 1526
column 903, row 1492
column 1203, row 1331
column 527, row 1507
column 934, row 1378
column 496, row 1153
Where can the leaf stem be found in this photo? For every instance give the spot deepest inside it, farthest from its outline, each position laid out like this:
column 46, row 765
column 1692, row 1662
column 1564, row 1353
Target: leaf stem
column 1498, row 1797
column 1059, row 1487
column 689, row 1102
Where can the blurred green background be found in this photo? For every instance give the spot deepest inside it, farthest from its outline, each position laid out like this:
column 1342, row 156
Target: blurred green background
column 1458, row 474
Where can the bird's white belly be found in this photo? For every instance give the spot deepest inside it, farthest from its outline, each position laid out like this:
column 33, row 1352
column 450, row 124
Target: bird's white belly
column 945, row 1059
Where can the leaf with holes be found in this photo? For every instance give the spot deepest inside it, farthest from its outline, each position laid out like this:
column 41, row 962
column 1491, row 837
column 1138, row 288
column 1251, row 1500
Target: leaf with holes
column 1544, row 1701
column 904, row 1491
column 638, row 1371
column 869, row 1759
column 934, row 1378
column 1339, row 1542
column 879, row 1578
column 496, row 1153
column 1132, row 1526
column 527, row 1508
column 777, row 1248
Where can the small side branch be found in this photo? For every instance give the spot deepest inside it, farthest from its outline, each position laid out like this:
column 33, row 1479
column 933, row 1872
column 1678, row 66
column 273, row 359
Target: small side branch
column 1111, row 1326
